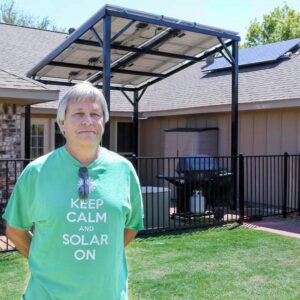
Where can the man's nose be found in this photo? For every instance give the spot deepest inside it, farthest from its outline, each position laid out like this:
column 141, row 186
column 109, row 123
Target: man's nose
column 87, row 119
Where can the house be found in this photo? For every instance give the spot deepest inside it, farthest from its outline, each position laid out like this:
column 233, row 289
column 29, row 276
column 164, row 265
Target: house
column 186, row 113
column 269, row 94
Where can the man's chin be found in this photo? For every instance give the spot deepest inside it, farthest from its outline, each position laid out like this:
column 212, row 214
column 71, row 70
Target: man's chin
column 88, row 140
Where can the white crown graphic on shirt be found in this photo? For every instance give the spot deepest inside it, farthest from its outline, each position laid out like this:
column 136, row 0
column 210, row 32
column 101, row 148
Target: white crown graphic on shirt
column 90, row 182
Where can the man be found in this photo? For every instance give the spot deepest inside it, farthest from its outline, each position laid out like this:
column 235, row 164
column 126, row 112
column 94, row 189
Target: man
column 84, row 204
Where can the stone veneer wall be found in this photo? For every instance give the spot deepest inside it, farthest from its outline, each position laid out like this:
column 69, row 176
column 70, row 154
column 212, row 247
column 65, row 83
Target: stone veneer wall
column 10, row 131
column 10, row 148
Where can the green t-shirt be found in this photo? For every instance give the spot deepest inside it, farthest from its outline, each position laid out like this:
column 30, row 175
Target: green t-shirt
column 77, row 251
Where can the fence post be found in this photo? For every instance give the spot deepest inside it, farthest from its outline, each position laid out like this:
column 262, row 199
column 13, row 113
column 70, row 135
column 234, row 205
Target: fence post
column 285, row 177
column 298, row 183
column 134, row 161
column 241, row 188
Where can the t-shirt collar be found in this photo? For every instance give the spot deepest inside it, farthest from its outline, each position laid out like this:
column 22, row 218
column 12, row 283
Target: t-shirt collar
column 76, row 163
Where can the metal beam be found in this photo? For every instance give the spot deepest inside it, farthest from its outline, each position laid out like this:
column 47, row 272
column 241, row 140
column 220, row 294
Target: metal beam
column 96, row 36
column 127, row 97
column 179, row 26
column 225, row 57
column 27, row 141
column 74, row 66
column 154, row 52
column 106, row 73
column 201, row 57
column 98, row 68
column 76, row 35
column 142, row 93
column 164, row 36
column 126, row 27
column 231, row 61
column 68, row 83
column 138, row 50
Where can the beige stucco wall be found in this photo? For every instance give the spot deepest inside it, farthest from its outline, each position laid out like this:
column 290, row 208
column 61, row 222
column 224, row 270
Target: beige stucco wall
column 261, row 132
column 152, row 130
column 270, row 132
column 49, row 125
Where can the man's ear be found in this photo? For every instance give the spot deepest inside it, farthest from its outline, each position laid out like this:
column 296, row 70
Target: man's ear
column 61, row 123
column 103, row 127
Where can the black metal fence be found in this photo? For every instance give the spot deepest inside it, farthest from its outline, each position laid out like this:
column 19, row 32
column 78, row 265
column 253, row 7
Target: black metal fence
column 271, row 185
column 185, row 192
column 188, row 192
column 10, row 170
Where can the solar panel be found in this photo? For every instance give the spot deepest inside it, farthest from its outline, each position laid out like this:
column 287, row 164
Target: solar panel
column 256, row 55
column 144, row 48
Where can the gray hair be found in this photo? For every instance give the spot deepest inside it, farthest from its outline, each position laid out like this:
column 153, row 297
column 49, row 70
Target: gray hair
column 80, row 92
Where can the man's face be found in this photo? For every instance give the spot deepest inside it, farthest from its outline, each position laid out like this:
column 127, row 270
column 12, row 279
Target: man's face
column 84, row 124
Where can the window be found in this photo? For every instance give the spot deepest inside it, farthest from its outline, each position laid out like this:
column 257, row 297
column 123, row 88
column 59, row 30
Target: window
column 39, row 137
column 37, row 140
column 124, row 138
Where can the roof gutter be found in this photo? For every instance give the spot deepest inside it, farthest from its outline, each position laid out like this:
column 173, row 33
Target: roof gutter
column 259, row 105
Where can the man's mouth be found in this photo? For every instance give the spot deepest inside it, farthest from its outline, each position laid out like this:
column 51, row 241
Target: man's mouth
column 86, row 131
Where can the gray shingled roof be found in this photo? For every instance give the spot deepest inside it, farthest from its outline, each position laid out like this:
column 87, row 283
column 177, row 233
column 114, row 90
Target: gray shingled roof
column 24, row 90
column 13, row 81
column 192, row 88
column 118, row 101
column 21, row 48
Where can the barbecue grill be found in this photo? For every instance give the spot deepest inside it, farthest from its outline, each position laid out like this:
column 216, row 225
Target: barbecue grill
column 201, row 172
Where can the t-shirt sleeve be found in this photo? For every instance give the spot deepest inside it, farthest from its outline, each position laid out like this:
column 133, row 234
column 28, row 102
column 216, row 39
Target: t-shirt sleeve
column 135, row 216
column 20, row 210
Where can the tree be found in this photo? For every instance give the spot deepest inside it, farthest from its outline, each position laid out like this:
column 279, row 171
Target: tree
column 10, row 15
column 279, row 25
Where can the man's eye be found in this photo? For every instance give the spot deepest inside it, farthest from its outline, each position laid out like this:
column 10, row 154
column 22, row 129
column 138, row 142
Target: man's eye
column 96, row 115
column 79, row 114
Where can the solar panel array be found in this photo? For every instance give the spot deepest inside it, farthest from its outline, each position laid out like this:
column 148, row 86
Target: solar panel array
column 80, row 56
column 257, row 55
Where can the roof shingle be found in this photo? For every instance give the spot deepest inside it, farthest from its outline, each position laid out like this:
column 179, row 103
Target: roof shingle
column 22, row 48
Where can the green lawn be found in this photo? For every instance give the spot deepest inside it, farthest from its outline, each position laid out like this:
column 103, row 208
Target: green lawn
column 13, row 275
column 224, row 263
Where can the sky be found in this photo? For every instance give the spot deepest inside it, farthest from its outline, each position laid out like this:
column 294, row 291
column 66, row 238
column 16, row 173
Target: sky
column 234, row 15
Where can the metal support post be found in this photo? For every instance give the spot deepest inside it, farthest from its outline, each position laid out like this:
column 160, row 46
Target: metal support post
column 27, row 132
column 135, row 146
column 285, row 183
column 298, row 182
column 106, row 73
column 241, row 188
column 234, row 117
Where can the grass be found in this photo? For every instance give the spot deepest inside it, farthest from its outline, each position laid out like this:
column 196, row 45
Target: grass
column 13, row 275
column 224, row 263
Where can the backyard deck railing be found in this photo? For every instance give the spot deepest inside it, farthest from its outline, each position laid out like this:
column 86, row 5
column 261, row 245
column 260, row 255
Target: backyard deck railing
column 188, row 192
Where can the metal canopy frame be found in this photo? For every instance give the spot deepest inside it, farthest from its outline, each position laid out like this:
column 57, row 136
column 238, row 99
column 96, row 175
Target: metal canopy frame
column 108, row 43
